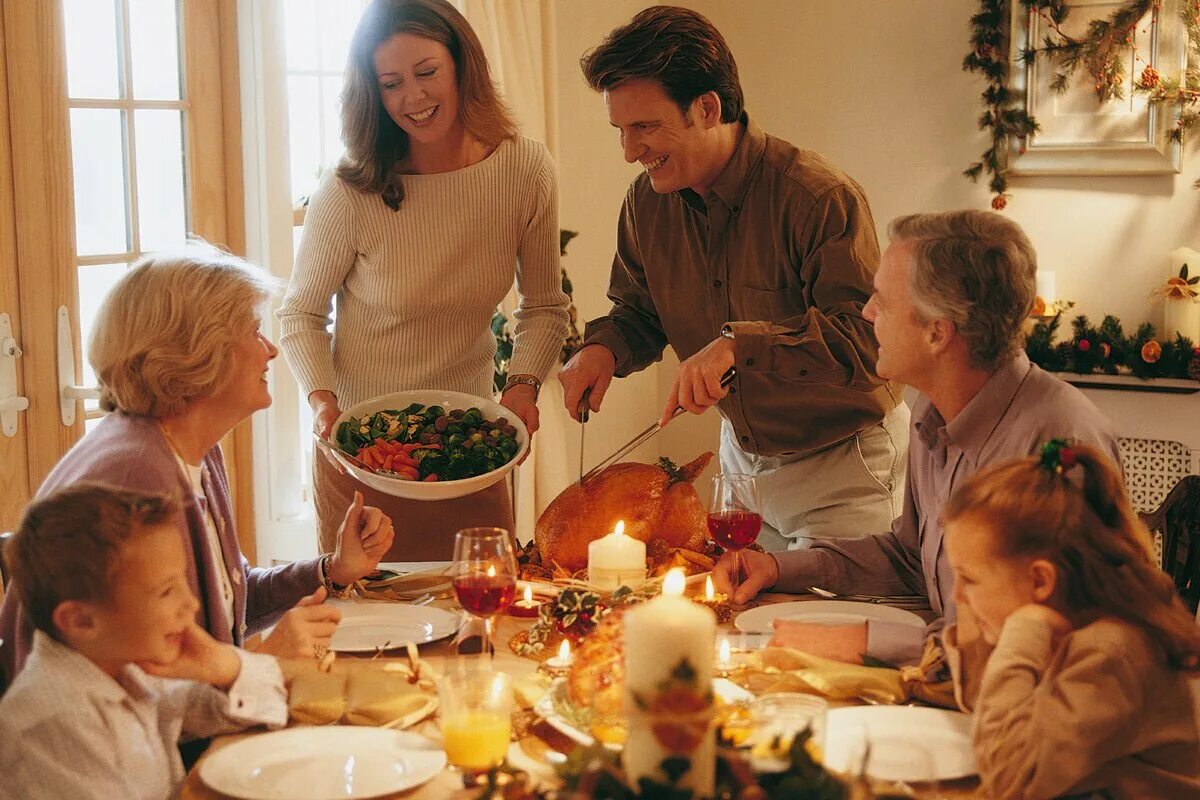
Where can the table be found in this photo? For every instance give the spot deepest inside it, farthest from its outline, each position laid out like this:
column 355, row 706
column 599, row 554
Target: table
column 449, row 784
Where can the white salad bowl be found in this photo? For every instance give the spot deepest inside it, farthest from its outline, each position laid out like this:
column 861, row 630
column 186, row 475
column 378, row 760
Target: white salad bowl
column 434, row 490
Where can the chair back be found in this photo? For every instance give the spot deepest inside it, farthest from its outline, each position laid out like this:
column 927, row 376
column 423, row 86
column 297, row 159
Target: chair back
column 1178, row 521
column 4, row 537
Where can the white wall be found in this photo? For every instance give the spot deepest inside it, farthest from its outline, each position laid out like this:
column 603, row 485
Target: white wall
column 878, row 88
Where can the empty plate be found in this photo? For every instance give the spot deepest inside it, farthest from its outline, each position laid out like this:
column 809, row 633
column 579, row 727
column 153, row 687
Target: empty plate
column 907, row 743
column 327, row 763
column 367, row 626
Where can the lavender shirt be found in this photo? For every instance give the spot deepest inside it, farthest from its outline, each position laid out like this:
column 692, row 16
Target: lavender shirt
column 1017, row 410
column 130, row 453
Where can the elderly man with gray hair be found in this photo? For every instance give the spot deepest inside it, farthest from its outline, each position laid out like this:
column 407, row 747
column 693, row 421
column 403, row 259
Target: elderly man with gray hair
column 951, row 294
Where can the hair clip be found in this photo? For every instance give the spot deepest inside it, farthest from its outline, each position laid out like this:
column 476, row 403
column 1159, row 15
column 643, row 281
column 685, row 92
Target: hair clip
column 1057, row 456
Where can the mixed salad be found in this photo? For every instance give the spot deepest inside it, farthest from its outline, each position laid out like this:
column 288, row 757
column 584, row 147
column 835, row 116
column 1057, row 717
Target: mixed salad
column 427, row 443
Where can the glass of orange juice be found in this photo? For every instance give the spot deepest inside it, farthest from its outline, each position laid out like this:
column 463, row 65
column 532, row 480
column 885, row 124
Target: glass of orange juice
column 476, row 714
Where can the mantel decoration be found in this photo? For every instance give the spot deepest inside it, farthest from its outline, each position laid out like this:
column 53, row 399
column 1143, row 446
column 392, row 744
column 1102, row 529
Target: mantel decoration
column 1107, row 350
column 1102, row 53
column 504, row 341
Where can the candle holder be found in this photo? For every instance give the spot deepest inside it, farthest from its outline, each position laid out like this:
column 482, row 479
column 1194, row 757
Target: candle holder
column 558, row 666
column 527, row 607
column 717, row 602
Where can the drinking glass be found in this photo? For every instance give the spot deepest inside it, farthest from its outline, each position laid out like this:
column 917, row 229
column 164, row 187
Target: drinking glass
column 476, row 713
column 733, row 518
column 782, row 716
column 484, row 576
column 892, row 766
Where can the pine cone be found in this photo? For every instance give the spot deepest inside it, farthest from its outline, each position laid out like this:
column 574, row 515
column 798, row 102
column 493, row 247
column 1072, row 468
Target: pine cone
column 999, row 202
column 1150, row 78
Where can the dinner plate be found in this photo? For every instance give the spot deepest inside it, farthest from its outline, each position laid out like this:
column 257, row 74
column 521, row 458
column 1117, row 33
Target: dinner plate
column 946, row 735
column 332, row 762
column 824, row 612
column 367, row 625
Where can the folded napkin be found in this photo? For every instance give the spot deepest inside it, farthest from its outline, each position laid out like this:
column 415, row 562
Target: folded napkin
column 360, row 693
column 782, row 669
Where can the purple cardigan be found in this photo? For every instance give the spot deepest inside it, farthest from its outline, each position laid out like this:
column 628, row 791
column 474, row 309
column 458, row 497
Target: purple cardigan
column 131, row 453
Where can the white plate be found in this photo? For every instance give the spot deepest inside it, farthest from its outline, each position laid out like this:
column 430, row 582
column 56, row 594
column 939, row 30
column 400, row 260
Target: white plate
column 945, row 734
column 369, row 625
column 724, row 688
column 328, row 763
column 825, row 612
column 437, row 490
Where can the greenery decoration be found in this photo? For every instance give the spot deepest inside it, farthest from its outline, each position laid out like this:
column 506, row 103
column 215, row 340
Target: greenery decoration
column 504, row 340
column 1107, row 350
column 1102, row 53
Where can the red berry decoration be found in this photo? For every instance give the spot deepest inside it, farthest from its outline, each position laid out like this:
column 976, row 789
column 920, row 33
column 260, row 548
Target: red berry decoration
column 999, row 202
column 1084, row 345
column 1066, row 457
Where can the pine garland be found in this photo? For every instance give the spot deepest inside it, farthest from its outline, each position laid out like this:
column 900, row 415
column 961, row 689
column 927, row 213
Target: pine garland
column 1101, row 53
column 1107, row 350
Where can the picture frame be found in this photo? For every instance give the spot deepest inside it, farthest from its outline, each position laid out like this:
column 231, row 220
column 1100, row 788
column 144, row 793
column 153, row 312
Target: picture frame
column 1078, row 134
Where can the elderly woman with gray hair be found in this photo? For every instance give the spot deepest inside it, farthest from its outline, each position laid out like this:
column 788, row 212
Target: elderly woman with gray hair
column 181, row 360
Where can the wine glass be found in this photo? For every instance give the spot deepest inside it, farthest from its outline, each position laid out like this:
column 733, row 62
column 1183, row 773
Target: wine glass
column 484, row 575
column 733, row 518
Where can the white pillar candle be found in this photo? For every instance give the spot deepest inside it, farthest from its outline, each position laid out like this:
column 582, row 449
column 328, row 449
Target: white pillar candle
column 1182, row 316
column 616, row 559
column 1046, row 288
column 659, row 637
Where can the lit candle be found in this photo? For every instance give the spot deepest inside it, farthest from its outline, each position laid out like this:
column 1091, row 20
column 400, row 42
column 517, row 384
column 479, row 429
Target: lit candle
column 709, row 592
column 723, row 658
column 669, row 640
column 564, row 658
column 616, row 559
column 525, row 607
column 719, row 603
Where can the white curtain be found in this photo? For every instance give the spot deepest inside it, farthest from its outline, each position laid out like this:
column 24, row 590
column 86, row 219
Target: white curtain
column 518, row 38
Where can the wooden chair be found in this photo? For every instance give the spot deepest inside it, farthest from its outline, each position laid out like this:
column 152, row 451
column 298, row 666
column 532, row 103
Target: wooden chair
column 4, row 537
column 1178, row 520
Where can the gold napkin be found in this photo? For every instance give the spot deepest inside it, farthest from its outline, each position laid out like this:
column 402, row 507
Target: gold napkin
column 782, row 669
column 360, row 692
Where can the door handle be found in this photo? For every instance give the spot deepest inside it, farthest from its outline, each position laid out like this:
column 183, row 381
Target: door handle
column 11, row 403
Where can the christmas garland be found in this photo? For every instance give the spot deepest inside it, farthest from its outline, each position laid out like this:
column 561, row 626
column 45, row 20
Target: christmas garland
column 1107, row 350
column 1101, row 53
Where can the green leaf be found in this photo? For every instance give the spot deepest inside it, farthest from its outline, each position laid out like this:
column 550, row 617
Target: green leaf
column 1183, row 271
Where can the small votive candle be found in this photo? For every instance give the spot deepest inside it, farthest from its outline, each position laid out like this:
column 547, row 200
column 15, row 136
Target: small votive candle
column 557, row 666
column 526, row 606
column 719, row 603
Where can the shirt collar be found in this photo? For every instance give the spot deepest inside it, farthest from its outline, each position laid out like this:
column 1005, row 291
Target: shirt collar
column 82, row 673
column 973, row 426
column 733, row 183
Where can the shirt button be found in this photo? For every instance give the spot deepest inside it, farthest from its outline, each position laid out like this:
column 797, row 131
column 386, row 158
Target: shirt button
column 716, row 284
column 733, row 390
column 749, row 362
column 803, row 372
column 745, row 439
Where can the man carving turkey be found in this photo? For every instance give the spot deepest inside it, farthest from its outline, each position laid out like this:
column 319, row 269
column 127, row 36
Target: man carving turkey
column 737, row 248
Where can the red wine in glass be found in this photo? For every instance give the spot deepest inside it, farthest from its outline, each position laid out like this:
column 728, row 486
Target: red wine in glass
column 734, row 530
column 485, row 596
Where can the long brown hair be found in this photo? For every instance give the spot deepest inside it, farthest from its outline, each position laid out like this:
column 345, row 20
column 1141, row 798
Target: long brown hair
column 1083, row 524
column 375, row 144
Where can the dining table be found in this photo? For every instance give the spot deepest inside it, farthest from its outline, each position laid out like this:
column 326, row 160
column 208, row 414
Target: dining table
column 448, row 783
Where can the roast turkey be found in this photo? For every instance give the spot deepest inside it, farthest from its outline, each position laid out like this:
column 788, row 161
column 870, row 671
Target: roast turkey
column 656, row 501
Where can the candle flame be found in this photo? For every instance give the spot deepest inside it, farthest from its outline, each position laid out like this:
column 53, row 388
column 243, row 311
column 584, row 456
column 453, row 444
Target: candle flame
column 674, row 583
column 620, row 529
column 528, row 595
column 491, row 573
column 724, row 653
column 564, row 650
column 709, row 592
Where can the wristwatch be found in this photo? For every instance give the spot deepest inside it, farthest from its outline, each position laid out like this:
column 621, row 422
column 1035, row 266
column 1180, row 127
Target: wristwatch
column 527, row 380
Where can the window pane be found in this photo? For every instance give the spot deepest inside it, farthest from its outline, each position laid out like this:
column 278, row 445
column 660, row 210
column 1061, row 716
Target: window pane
column 98, row 164
column 332, row 146
column 300, row 28
column 91, row 39
column 94, row 283
column 304, row 135
column 154, row 49
column 337, row 22
column 162, row 215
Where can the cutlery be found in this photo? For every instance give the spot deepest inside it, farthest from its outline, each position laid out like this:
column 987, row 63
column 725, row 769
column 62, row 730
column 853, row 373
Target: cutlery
column 584, row 413
column 423, row 600
column 906, row 600
column 647, row 434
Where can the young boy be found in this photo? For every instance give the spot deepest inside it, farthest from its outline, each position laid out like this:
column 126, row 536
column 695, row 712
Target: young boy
column 119, row 669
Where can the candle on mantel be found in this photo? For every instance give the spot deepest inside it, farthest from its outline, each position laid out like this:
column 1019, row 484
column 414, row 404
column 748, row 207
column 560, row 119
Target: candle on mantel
column 526, row 606
column 616, row 559
column 1181, row 317
column 660, row 636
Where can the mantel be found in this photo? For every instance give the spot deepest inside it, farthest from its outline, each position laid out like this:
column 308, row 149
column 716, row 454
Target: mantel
column 1129, row 383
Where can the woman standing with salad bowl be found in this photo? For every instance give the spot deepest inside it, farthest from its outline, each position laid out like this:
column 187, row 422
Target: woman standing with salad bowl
column 437, row 206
